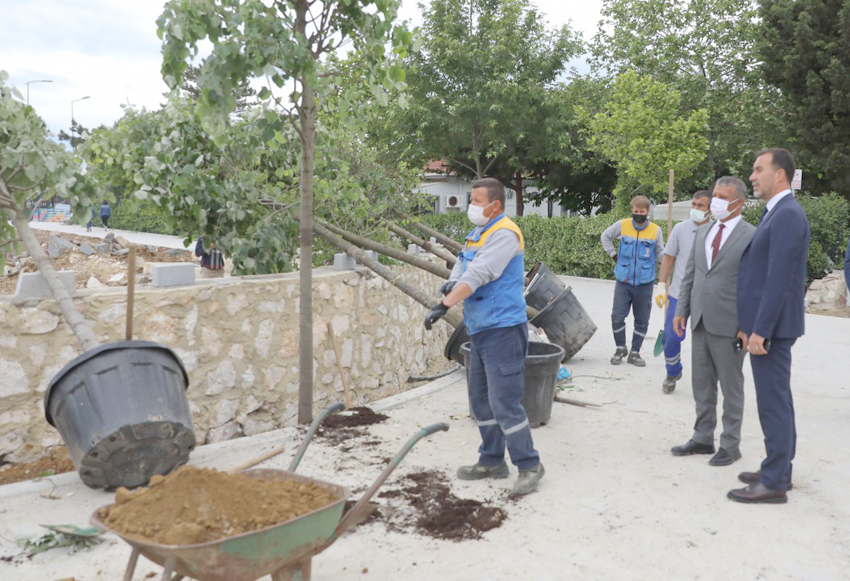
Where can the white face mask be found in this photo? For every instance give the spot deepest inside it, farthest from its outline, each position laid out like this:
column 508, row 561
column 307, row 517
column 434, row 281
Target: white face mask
column 476, row 214
column 720, row 208
column 699, row 215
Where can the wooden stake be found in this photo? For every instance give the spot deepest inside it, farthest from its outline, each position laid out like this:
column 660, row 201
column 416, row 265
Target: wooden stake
column 131, row 290
column 339, row 366
column 571, row 401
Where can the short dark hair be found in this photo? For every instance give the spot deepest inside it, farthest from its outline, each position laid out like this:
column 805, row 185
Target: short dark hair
column 736, row 183
column 781, row 159
column 495, row 189
column 702, row 194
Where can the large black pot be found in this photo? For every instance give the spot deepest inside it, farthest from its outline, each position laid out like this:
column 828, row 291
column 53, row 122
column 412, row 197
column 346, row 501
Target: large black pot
column 541, row 372
column 452, row 350
column 543, row 288
column 566, row 323
column 122, row 411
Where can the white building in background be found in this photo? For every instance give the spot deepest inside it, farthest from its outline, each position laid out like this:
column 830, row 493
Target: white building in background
column 450, row 193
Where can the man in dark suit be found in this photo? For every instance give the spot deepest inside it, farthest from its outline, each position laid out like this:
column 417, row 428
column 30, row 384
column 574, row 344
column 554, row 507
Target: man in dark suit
column 771, row 288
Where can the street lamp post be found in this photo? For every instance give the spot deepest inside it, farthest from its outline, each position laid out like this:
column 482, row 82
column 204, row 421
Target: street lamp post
column 28, row 86
column 72, row 109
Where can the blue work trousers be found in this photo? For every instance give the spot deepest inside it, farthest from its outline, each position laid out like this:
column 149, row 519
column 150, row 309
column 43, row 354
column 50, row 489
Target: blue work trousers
column 631, row 298
column 496, row 382
column 672, row 342
column 772, row 376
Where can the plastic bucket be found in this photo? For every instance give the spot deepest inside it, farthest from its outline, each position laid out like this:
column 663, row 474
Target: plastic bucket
column 122, row 411
column 544, row 287
column 566, row 323
column 452, row 350
column 541, row 370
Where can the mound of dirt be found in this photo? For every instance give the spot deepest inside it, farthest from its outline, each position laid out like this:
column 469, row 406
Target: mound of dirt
column 56, row 461
column 197, row 505
column 441, row 514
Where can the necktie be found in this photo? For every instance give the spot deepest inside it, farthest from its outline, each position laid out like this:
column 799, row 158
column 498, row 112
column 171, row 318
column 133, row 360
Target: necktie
column 763, row 214
column 715, row 244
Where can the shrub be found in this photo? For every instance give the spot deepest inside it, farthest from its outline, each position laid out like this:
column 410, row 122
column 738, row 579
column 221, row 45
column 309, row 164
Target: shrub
column 140, row 216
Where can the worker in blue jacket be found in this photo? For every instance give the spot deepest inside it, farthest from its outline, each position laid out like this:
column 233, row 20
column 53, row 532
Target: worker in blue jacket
column 489, row 279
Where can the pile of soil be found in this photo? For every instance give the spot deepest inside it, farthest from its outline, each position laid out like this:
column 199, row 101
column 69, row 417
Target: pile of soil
column 197, row 505
column 441, row 514
column 341, row 428
column 56, row 461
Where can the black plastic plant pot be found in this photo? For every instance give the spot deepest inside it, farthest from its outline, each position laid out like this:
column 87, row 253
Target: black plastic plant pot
column 123, row 413
column 543, row 288
column 452, row 350
column 541, row 373
column 566, row 323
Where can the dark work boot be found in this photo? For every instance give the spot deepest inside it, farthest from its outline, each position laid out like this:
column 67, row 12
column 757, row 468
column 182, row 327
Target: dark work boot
column 669, row 385
column 635, row 359
column 619, row 354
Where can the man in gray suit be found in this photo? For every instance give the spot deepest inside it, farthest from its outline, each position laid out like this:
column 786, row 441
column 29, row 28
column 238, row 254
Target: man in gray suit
column 708, row 297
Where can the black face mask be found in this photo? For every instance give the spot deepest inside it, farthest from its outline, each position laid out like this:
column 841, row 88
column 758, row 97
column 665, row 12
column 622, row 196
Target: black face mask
column 640, row 218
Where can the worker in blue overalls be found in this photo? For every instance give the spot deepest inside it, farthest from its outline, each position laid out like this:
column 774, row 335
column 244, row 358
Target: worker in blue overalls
column 489, row 279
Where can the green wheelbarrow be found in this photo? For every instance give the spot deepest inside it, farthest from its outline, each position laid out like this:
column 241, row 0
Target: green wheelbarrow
column 284, row 550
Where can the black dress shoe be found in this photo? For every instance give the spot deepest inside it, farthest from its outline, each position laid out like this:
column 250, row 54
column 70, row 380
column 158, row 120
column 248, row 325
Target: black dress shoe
column 692, row 448
column 758, row 493
column 724, row 457
column 754, row 477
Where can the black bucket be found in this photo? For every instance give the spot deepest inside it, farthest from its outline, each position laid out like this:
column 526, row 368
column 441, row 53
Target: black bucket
column 541, row 372
column 452, row 350
column 544, row 287
column 122, row 411
column 566, row 323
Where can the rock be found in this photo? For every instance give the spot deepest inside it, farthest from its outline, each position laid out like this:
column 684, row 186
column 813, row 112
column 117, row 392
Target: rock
column 121, row 252
column 103, row 248
column 13, row 379
column 122, row 242
column 226, row 432
column 143, row 279
column 109, row 237
column 12, row 441
column 59, row 246
column 150, row 248
column 119, row 279
column 87, row 249
column 94, row 283
column 175, row 252
column 140, row 264
column 37, row 322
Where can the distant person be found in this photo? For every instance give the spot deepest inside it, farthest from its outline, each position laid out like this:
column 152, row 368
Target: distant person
column 212, row 260
column 105, row 214
column 677, row 252
column 708, row 298
column 641, row 245
column 771, row 316
column 88, row 226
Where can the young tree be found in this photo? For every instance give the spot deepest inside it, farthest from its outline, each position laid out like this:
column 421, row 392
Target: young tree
column 479, row 88
column 806, row 50
column 285, row 41
column 641, row 130
column 244, row 94
column 31, row 164
column 706, row 50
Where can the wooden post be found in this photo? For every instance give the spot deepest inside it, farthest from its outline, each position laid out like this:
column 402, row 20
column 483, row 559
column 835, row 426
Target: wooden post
column 339, row 366
column 670, row 204
column 131, row 291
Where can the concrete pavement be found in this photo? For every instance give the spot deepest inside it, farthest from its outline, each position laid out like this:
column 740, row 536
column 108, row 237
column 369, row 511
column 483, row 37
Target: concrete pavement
column 99, row 232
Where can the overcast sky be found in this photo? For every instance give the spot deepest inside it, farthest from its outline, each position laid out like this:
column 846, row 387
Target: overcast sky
column 108, row 50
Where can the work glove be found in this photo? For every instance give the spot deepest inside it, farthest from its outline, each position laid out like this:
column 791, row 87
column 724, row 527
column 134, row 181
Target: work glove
column 615, row 257
column 660, row 294
column 437, row 312
column 447, row 287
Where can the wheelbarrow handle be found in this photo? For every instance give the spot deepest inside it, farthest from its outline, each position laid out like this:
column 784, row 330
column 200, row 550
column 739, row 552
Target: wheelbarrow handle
column 351, row 516
column 330, row 409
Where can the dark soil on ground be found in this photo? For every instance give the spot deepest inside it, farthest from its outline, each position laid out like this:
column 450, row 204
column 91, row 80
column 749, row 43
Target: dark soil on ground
column 340, row 429
column 441, row 514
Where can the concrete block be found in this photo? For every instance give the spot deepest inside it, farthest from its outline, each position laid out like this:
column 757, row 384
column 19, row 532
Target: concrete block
column 59, row 246
column 342, row 261
column 179, row 273
column 413, row 249
column 33, row 285
column 371, row 254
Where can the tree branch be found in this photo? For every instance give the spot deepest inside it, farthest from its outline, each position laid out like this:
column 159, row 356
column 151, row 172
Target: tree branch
column 456, row 162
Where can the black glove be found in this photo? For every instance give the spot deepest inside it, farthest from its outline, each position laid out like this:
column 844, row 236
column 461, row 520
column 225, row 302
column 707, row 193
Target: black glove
column 447, row 288
column 437, row 312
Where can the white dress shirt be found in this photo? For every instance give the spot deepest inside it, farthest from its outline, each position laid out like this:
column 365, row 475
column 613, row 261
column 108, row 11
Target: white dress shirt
column 775, row 199
column 729, row 225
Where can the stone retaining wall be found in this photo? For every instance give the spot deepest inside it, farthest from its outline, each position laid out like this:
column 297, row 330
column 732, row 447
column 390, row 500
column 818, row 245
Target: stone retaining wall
column 238, row 339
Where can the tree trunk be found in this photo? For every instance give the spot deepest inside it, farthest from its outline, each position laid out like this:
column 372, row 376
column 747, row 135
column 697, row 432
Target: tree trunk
column 307, row 119
column 399, row 255
column 520, row 206
column 453, row 246
column 438, row 252
column 75, row 319
column 385, row 272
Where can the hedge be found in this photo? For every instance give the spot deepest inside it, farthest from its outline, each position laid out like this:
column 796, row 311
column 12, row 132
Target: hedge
column 571, row 246
column 140, row 216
